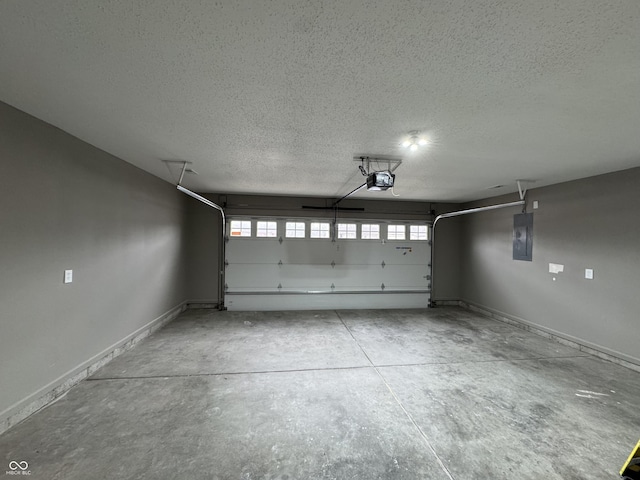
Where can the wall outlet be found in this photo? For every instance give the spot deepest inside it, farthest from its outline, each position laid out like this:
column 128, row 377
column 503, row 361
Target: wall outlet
column 588, row 273
column 68, row 276
column 556, row 268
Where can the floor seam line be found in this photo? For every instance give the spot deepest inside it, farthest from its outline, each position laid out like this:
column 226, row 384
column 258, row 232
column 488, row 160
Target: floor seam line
column 257, row 372
column 420, row 364
column 397, row 399
column 328, row 369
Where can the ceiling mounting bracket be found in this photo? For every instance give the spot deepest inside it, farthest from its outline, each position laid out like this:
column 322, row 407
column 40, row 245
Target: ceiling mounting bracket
column 184, row 169
column 392, row 163
column 522, row 187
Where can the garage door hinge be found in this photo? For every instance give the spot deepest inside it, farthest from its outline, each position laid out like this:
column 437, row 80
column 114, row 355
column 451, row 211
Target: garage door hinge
column 280, row 240
column 226, row 287
column 382, row 287
column 226, row 263
column 333, row 286
column 279, row 286
column 383, row 264
column 280, row 263
column 226, row 239
column 428, row 277
column 333, row 264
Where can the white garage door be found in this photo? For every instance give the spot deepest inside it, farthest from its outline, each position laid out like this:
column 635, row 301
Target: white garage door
column 281, row 264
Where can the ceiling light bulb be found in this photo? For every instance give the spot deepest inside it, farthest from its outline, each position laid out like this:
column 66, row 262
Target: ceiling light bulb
column 413, row 147
column 406, row 144
column 423, row 141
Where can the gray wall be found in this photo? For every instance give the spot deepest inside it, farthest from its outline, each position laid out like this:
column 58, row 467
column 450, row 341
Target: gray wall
column 67, row 205
column 589, row 223
column 204, row 227
column 447, row 257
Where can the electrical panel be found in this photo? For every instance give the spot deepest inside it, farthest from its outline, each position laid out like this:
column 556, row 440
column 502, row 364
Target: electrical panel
column 523, row 237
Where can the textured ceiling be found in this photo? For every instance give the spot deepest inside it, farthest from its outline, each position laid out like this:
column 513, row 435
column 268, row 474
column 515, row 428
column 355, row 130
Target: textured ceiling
column 277, row 97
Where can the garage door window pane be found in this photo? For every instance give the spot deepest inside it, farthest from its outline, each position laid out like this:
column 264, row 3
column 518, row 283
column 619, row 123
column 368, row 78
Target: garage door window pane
column 294, row 230
column 267, row 229
column 395, row 232
column 418, row 232
column 319, row 230
column 370, row 232
column 240, row 228
column 347, row 230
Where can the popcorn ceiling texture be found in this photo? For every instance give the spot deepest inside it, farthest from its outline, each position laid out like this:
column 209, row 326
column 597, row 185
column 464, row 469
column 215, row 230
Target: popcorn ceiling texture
column 277, row 97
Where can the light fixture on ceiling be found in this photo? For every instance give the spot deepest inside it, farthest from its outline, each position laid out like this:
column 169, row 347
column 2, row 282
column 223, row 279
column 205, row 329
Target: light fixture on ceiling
column 414, row 140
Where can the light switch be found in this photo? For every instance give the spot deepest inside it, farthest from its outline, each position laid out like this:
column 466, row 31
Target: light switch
column 535, row 204
column 68, row 276
column 588, row 273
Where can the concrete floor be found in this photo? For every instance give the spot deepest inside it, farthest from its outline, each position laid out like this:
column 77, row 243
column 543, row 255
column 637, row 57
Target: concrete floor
column 380, row 394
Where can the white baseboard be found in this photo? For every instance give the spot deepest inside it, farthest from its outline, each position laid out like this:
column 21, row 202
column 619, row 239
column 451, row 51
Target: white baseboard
column 58, row 387
column 559, row 337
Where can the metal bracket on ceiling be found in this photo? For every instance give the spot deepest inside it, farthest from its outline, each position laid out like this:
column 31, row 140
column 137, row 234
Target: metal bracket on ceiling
column 366, row 160
column 522, row 187
column 184, row 169
column 522, row 190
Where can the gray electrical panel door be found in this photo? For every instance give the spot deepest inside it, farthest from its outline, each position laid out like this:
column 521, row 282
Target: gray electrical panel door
column 281, row 273
column 523, row 237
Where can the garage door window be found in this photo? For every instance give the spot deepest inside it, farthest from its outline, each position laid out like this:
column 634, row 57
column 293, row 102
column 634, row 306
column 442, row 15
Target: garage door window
column 319, row 230
column 418, row 232
column 396, row 232
column 240, row 228
column 295, row 230
column 370, row 232
column 267, row 229
column 347, row 230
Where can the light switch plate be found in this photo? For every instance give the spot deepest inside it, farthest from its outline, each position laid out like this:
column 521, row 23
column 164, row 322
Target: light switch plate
column 535, row 204
column 68, row 276
column 588, row 273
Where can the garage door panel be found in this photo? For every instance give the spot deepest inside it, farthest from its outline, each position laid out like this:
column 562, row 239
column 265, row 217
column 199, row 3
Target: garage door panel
column 252, row 250
column 282, row 301
column 259, row 276
column 252, row 276
column 375, row 252
column 324, row 252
